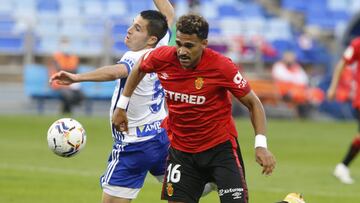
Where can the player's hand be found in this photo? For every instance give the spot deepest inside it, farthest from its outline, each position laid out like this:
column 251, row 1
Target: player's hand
column 330, row 94
column 265, row 158
column 63, row 78
column 119, row 120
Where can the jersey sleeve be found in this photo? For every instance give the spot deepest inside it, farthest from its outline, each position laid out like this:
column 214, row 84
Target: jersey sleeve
column 352, row 52
column 233, row 79
column 128, row 59
column 150, row 62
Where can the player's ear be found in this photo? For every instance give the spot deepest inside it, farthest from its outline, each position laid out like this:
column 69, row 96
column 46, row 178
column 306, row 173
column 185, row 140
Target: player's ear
column 204, row 43
column 152, row 40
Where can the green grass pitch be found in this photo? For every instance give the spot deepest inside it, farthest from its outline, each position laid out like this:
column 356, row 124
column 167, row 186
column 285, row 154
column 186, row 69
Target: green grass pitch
column 306, row 153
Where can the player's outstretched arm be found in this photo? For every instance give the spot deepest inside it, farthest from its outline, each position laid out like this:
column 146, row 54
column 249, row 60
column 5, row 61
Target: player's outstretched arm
column 105, row 73
column 165, row 7
column 119, row 118
column 335, row 79
column 258, row 119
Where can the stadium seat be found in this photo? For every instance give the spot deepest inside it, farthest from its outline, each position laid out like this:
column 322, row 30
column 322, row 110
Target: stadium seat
column 94, row 8
column 6, row 7
column 294, row 5
column 116, row 8
column 47, row 6
column 13, row 44
column 120, row 47
column 95, row 91
column 36, row 85
column 7, row 24
column 228, row 10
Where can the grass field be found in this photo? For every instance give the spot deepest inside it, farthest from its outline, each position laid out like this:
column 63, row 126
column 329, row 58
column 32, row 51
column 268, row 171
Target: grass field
column 306, row 153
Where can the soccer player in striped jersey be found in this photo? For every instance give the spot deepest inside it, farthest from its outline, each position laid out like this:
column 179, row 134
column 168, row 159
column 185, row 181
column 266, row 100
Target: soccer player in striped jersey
column 197, row 82
column 144, row 148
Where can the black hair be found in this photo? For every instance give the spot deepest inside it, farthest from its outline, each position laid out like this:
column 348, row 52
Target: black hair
column 157, row 25
column 193, row 24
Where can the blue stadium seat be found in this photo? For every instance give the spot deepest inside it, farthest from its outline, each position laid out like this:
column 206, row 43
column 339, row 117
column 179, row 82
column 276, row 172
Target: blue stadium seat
column 7, row 7
column 139, row 5
column 13, row 44
column 7, row 24
column 294, row 5
column 120, row 47
column 94, row 8
column 119, row 28
column 36, row 85
column 52, row 6
column 228, row 10
column 116, row 8
column 95, row 91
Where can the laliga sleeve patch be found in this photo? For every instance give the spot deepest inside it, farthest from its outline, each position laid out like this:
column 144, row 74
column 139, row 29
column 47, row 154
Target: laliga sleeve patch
column 349, row 52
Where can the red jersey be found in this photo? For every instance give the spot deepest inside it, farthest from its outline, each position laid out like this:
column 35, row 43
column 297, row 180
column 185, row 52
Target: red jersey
column 198, row 99
column 350, row 56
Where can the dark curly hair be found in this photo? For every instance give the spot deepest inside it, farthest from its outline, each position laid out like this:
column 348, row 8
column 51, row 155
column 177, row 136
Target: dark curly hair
column 193, row 24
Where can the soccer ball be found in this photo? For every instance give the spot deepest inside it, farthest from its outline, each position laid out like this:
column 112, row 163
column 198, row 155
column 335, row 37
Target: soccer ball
column 66, row 137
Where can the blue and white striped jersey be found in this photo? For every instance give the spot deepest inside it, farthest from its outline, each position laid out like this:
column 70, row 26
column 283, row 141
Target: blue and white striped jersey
column 146, row 108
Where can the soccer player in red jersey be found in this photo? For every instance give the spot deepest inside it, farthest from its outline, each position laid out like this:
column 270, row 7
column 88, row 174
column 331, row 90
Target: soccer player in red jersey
column 197, row 82
column 350, row 56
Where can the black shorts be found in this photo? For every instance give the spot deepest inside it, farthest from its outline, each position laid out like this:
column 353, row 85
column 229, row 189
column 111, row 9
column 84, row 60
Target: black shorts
column 187, row 174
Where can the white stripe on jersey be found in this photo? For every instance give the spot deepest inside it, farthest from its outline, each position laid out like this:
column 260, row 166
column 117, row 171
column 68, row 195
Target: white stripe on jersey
column 146, row 106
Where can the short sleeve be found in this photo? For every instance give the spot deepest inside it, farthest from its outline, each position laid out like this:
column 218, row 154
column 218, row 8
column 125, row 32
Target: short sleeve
column 233, row 79
column 352, row 51
column 128, row 60
column 149, row 61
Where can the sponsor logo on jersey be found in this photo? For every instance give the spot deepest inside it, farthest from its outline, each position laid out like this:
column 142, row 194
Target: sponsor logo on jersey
column 199, row 82
column 149, row 129
column 169, row 189
column 239, row 80
column 185, row 98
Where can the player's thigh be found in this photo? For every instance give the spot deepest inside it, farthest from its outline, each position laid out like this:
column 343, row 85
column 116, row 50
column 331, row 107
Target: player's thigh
column 106, row 198
column 229, row 176
column 159, row 156
column 183, row 181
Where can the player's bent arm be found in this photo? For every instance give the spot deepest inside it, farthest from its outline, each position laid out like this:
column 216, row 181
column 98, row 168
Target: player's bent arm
column 256, row 110
column 105, row 73
column 257, row 114
column 335, row 79
column 167, row 9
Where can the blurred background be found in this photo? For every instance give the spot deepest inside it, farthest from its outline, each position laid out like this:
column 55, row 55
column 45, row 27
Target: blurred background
column 254, row 33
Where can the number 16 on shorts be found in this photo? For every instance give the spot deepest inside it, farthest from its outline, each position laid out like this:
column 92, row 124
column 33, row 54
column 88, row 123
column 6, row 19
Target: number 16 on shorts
column 173, row 173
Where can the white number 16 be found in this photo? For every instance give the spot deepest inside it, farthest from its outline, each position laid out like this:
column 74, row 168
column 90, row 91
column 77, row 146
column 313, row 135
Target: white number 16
column 173, row 173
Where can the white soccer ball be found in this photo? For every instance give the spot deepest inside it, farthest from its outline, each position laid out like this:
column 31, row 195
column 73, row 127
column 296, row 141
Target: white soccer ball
column 66, row 137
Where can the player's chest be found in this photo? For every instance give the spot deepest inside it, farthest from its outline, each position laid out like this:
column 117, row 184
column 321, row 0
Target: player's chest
column 195, row 82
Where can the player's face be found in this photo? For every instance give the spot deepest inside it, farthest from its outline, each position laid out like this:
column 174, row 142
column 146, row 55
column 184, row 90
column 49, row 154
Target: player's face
column 137, row 35
column 189, row 49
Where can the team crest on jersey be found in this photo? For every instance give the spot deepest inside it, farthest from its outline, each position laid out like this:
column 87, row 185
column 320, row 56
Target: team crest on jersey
column 169, row 189
column 199, row 82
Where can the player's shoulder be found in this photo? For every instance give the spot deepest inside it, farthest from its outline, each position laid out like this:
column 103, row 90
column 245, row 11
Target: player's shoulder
column 164, row 52
column 356, row 42
column 217, row 59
